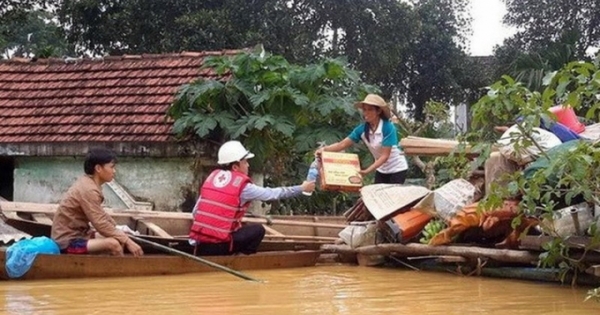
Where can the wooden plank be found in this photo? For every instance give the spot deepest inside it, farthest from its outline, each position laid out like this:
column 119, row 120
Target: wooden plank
column 278, row 245
column 11, row 215
column 436, row 147
column 26, row 207
column 27, row 226
column 315, row 229
column 271, row 231
column 302, row 237
column 535, row 242
column 41, row 218
column 294, row 223
column 157, row 230
column 594, row 270
column 181, row 243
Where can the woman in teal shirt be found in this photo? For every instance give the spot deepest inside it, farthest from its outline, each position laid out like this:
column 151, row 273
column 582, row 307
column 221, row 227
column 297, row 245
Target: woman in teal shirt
column 381, row 138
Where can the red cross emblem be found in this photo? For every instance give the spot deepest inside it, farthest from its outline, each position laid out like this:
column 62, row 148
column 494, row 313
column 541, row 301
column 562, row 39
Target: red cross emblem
column 222, row 179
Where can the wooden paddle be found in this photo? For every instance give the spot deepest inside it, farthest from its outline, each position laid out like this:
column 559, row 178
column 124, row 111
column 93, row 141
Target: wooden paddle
column 192, row 257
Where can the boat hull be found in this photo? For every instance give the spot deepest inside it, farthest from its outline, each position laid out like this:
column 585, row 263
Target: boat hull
column 93, row 266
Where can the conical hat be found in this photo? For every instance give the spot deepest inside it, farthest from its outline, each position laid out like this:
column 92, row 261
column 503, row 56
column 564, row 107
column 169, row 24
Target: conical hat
column 375, row 100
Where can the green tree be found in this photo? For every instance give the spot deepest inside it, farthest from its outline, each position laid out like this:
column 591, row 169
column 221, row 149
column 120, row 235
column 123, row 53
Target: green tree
column 35, row 35
column 531, row 67
column 550, row 34
column 438, row 67
column 161, row 26
column 413, row 51
column 277, row 109
column 13, row 14
column 541, row 22
column 375, row 36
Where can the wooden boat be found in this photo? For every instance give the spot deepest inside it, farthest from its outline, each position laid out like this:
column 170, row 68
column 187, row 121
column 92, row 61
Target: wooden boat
column 84, row 266
column 171, row 228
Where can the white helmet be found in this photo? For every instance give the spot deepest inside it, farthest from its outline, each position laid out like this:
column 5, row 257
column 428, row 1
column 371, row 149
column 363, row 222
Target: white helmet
column 233, row 151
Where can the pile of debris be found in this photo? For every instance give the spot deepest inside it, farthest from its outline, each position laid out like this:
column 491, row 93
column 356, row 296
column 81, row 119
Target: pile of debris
column 411, row 222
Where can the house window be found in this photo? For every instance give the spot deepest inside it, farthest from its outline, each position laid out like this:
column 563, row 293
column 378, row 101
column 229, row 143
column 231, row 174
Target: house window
column 7, row 177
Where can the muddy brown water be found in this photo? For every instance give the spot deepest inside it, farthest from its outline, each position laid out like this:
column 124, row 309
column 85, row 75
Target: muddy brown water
column 318, row 290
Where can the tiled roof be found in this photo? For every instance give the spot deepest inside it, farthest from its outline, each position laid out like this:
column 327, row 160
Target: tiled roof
column 113, row 99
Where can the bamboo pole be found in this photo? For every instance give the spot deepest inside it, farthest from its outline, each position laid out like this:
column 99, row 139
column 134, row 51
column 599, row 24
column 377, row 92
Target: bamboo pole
column 192, row 257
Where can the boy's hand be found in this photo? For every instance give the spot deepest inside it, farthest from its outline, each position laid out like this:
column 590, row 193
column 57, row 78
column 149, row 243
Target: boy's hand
column 134, row 248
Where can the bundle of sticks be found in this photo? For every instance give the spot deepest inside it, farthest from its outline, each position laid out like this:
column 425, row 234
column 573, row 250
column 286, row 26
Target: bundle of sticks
column 358, row 212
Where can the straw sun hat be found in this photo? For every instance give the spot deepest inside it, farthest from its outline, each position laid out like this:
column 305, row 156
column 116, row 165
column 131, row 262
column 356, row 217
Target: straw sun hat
column 375, row 100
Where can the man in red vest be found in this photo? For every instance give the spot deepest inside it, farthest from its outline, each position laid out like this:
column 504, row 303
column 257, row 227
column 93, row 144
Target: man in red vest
column 224, row 199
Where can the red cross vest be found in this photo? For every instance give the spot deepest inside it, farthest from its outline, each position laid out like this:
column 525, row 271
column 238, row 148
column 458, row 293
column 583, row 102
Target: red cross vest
column 219, row 212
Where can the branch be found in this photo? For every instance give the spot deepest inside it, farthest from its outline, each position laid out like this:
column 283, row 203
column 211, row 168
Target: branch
column 530, row 138
column 419, row 163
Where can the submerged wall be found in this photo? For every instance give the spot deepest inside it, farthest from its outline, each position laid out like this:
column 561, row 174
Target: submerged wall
column 171, row 184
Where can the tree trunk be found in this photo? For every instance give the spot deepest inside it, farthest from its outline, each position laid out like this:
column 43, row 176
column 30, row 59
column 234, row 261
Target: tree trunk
column 334, row 41
column 414, row 249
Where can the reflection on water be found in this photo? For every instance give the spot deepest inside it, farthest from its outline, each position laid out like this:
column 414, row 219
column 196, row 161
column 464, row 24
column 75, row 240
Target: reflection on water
column 319, row 290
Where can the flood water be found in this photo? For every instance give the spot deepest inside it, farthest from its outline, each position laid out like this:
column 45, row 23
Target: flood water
column 317, row 290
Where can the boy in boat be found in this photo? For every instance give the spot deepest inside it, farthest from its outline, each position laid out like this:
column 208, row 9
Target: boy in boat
column 82, row 205
column 224, row 200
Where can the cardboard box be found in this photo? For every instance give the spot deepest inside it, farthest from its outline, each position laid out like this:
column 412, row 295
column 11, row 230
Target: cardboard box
column 340, row 172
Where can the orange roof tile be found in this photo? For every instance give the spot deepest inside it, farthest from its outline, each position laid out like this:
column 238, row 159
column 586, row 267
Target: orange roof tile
column 113, row 99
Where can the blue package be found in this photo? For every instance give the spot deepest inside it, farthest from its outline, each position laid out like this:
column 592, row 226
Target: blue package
column 561, row 131
column 20, row 255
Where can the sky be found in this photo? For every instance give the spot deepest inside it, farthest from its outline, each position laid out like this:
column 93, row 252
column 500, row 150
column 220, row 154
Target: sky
column 488, row 30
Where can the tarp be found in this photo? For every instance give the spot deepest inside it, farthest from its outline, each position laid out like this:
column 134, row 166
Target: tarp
column 543, row 162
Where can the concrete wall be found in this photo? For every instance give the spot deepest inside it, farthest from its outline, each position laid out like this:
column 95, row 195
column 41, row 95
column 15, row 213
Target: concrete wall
column 170, row 183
